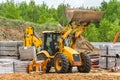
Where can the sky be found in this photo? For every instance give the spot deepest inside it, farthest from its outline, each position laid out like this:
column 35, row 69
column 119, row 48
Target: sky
column 73, row 3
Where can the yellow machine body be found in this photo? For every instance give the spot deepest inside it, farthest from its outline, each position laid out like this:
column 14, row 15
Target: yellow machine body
column 60, row 56
column 70, row 53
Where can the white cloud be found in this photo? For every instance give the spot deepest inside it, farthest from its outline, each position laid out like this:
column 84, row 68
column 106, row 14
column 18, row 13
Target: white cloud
column 75, row 3
column 89, row 3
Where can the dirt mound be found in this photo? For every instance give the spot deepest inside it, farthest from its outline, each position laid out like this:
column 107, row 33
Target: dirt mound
column 13, row 29
column 99, row 75
column 10, row 33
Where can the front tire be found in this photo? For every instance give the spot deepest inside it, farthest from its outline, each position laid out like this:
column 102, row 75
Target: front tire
column 70, row 68
column 86, row 64
column 61, row 63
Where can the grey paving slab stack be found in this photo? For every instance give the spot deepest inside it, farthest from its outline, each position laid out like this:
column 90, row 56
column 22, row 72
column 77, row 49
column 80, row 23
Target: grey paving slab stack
column 117, row 49
column 9, row 52
column 6, row 66
column 102, row 60
column 9, row 48
column 21, row 66
column 26, row 55
column 107, row 62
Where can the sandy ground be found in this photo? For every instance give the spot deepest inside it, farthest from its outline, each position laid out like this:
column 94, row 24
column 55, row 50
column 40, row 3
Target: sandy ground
column 95, row 74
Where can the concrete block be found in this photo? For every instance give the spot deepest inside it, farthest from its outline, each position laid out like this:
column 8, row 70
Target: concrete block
column 27, row 53
column 21, row 66
column 6, row 67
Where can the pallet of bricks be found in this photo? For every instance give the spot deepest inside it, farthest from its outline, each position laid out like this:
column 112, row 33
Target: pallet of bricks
column 108, row 58
column 9, row 57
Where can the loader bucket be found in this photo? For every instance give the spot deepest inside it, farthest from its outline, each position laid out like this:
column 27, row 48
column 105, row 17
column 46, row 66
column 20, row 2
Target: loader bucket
column 81, row 16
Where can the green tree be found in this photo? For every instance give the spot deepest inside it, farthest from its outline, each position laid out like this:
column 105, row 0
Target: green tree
column 60, row 14
column 23, row 10
column 103, row 6
column 92, row 33
column 10, row 10
column 114, row 28
column 103, row 30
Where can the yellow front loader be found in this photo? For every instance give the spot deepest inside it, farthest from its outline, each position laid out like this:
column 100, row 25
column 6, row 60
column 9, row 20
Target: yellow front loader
column 54, row 51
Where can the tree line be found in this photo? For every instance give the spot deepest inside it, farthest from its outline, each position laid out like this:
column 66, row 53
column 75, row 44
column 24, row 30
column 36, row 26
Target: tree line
column 103, row 32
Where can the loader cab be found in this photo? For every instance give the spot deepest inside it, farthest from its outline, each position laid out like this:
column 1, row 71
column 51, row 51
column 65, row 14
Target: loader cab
column 51, row 41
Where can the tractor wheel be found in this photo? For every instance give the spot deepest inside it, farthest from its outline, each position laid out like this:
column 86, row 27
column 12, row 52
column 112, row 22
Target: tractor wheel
column 69, row 69
column 86, row 64
column 61, row 63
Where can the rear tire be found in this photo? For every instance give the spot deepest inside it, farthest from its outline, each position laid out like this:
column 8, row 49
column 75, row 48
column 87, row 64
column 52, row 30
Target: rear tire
column 61, row 63
column 86, row 64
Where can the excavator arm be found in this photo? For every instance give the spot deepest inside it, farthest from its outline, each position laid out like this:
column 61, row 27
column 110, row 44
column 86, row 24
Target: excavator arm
column 66, row 33
column 31, row 39
column 76, row 36
column 81, row 20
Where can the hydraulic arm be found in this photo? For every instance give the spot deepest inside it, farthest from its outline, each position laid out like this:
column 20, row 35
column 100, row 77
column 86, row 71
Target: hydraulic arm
column 66, row 33
column 31, row 39
column 76, row 35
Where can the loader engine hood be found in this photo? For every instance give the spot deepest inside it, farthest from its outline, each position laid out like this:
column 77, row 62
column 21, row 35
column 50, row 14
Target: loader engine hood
column 70, row 50
column 72, row 55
